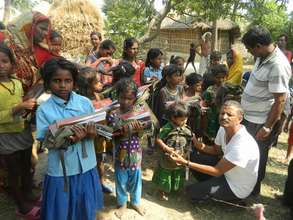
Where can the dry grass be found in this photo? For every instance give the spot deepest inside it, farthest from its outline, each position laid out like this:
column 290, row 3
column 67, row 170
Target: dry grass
column 75, row 20
column 177, row 208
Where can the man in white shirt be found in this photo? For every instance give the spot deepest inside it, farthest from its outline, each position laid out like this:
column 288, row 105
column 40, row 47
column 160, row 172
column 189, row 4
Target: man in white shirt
column 235, row 174
column 265, row 94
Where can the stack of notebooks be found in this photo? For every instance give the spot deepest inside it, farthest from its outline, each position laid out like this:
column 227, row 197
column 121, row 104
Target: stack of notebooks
column 141, row 114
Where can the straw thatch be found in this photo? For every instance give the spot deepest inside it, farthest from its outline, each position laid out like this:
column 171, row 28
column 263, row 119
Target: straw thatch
column 222, row 24
column 75, row 20
column 176, row 35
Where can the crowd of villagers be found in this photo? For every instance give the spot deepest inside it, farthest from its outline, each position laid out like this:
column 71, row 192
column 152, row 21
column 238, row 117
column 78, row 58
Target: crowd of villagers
column 189, row 118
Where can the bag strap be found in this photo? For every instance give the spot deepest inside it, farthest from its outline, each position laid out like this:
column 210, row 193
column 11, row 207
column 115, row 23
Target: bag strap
column 83, row 149
column 130, row 131
column 61, row 155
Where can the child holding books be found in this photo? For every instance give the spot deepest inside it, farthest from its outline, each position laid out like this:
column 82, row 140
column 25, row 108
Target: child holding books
column 90, row 86
column 84, row 195
column 128, row 150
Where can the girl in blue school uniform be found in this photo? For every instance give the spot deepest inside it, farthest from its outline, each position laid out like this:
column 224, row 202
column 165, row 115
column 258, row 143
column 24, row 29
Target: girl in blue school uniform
column 84, row 195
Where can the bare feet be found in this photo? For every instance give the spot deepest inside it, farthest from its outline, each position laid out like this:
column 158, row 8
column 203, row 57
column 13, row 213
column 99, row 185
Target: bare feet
column 120, row 211
column 139, row 209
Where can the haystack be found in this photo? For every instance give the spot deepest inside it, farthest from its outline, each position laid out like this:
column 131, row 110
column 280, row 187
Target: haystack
column 75, row 20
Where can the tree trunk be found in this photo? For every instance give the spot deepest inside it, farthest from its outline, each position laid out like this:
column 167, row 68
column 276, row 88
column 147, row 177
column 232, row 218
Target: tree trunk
column 234, row 12
column 7, row 6
column 155, row 24
column 215, row 36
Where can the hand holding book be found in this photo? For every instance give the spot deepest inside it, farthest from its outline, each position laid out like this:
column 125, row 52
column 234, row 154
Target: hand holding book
column 134, row 126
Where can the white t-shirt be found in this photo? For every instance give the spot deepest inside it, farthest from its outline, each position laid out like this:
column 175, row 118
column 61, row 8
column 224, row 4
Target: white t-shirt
column 242, row 151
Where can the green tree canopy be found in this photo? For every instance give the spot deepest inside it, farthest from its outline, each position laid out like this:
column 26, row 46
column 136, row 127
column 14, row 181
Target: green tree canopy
column 269, row 14
column 139, row 19
column 129, row 18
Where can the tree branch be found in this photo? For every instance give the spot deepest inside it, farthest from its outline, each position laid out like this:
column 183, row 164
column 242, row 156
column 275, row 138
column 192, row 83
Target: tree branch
column 181, row 22
column 235, row 8
column 155, row 24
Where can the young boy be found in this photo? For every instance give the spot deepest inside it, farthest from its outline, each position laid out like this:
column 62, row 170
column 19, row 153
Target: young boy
column 206, row 48
column 191, row 58
column 211, row 114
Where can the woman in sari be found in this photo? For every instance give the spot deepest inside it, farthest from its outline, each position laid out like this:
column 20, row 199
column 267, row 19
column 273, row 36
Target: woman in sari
column 28, row 36
column 235, row 64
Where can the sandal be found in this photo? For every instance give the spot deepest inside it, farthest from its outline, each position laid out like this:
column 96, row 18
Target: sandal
column 33, row 214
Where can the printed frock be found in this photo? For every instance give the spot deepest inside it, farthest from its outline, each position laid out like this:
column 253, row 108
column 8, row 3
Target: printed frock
column 127, row 150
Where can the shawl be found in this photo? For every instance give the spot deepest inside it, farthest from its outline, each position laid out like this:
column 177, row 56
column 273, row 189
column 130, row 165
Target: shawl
column 29, row 57
column 236, row 69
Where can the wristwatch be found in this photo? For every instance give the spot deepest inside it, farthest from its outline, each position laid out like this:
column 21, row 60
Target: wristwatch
column 266, row 129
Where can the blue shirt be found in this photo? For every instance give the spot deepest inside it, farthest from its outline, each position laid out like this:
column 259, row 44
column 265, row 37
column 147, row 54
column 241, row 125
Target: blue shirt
column 149, row 72
column 53, row 110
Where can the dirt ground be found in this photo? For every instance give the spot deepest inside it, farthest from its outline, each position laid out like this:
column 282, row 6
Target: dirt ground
column 177, row 207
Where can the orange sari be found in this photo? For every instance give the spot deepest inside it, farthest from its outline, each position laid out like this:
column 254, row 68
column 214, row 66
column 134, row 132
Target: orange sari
column 29, row 56
column 236, row 69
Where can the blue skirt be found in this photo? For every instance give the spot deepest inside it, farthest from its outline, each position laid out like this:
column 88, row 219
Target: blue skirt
column 83, row 199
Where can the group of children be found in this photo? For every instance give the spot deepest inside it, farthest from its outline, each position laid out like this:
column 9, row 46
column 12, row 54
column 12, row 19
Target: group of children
column 183, row 108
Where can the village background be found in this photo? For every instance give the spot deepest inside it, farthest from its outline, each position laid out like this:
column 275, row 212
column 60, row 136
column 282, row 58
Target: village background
column 170, row 25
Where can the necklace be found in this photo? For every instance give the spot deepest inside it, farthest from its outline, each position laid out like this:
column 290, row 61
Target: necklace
column 172, row 92
column 11, row 91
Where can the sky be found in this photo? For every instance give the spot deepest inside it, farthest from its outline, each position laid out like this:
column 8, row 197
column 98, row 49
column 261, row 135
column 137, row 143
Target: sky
column 158, row 5
column 290, row 6
column 98, row 3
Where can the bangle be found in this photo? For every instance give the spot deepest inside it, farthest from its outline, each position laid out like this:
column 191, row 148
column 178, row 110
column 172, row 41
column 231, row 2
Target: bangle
column 188, row 163
column 266, row 129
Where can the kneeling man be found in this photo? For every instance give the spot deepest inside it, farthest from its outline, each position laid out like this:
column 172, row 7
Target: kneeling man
column 235, row 174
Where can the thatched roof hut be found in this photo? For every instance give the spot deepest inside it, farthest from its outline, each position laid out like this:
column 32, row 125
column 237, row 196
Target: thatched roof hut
column 177, row 35
column 75, row 20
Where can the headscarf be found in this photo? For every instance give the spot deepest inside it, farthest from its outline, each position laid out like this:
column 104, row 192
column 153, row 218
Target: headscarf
column 29, row 56
column 236, row 69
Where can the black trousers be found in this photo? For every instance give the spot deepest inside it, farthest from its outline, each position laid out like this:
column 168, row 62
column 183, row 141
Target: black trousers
column 208, row 186
column 19, row 173
column 264, row 147
column 205, row 159
column 215, row 187
column 288, row 191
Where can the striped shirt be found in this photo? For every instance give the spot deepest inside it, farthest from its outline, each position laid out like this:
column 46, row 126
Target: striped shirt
column 269, row 76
